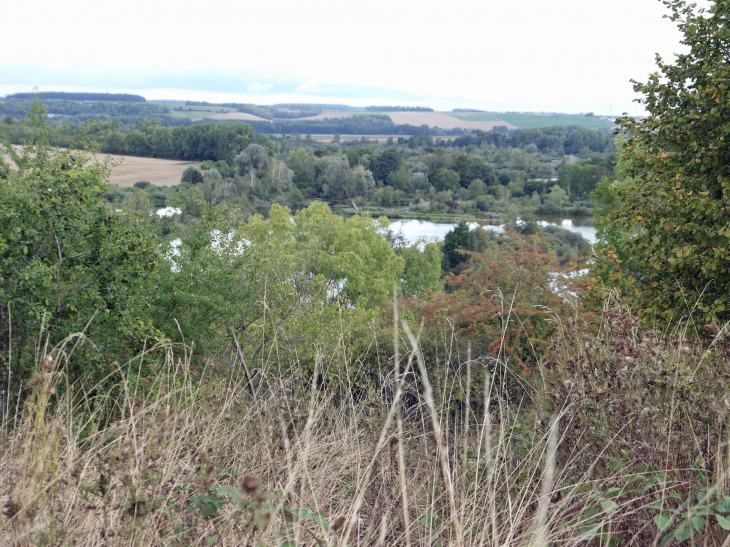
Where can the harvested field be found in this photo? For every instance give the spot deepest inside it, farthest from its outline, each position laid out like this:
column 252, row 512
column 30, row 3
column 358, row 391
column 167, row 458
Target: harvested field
column 155, row 170
column 331, row 114
column 444, row 120
column 131, row 169
column 238, row 116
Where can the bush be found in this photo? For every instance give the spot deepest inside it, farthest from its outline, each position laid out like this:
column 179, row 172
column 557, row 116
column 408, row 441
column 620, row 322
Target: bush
column 142, row 184
column 192, row 175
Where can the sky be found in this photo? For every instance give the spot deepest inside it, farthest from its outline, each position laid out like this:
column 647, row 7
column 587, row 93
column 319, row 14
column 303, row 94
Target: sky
column 496, row 55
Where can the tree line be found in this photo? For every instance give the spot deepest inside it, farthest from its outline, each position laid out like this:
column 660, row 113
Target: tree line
column 70, row 96
column 568, row 140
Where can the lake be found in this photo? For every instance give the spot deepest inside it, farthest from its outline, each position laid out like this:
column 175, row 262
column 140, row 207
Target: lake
column 415, row 229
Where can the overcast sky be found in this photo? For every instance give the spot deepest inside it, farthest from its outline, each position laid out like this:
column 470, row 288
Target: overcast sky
column 499, row 55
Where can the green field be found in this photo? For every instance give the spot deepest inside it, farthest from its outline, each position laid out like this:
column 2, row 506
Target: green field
column 197, row 112
column 525, row 121
column 476, row 116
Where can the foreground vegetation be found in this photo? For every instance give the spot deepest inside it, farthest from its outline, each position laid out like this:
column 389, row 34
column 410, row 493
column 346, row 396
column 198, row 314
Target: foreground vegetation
column 224, row 377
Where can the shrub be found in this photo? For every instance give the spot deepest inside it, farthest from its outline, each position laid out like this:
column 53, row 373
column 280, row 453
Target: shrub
column 142, row 184
column 192, row 175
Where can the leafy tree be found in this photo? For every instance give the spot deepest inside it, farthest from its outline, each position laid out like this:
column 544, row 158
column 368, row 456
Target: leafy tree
column 674, row 210
column 385, row 163
column 499, row 302
column 477, row 188
column 481, row 171
column 138, row 202
column 400, row 179
column 69, row 261
column 213, row 174
column 192, row 175
column 362, row 180
column 446, row 179
column 194, row 202
column 456, row 242
column 252, row 158
column 422, row 268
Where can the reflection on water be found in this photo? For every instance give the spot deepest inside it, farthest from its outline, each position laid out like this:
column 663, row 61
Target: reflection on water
column 436, row 231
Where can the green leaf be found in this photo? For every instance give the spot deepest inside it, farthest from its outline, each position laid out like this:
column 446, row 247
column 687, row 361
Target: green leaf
column 323, row 522
column 208, row 509
column 609, row 506
column 662, row 521
column 723, row 522
column 683, row 532
column 211, row 540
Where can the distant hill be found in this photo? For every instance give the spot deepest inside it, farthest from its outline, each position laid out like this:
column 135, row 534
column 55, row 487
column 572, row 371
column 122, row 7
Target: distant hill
column 62, row 95
column 323, row 106
column 398, row 109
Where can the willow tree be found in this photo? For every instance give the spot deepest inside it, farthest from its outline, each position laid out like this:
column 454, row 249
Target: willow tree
column 675, row 207
column 252, row 158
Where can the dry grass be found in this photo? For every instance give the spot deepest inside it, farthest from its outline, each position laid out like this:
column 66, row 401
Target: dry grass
column 297, row 460
column 127, row 170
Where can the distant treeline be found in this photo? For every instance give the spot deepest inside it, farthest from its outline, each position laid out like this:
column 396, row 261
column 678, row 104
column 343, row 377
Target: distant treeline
column 311, row 106
column 467, row 110
column 266, row 112
column 71, row 108
column 62, row 95
column 554, row 139
column 367, row 124
column 196, row 142
column 398, row 109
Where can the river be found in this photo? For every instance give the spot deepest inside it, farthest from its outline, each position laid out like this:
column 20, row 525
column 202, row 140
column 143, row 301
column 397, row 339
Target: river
column 415, row 229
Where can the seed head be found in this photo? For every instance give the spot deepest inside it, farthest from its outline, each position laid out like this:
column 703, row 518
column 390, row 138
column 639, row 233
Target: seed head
column 250, row 484
column 37, row 379
column 339, row 523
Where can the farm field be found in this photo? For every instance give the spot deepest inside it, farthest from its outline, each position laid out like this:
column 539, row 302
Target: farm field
column 476, row 116
column 329, row 114
column 526, row 121
column 196, row 112
column 240, row 116
column 445, row 120
column 157, row 171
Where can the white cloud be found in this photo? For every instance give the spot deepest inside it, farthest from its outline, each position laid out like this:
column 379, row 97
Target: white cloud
column 259, row 88
column 310, row 87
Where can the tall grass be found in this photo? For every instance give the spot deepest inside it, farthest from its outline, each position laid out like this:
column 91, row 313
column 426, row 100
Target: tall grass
column 290, row 460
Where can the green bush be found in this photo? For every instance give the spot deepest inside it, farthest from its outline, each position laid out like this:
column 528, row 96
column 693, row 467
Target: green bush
column 192, row 175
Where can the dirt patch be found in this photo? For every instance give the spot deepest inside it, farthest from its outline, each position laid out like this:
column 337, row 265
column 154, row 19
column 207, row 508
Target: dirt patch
column 443, row 120
column 237, row 116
